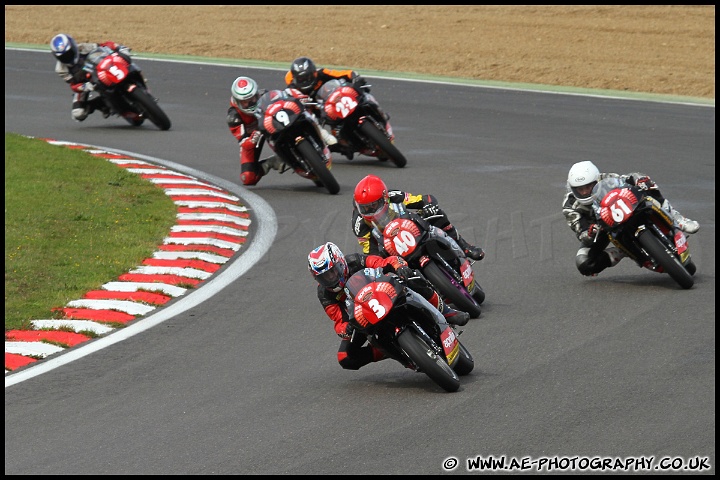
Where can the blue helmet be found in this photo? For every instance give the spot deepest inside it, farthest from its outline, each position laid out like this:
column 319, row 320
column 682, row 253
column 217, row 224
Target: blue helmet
column 64, row 49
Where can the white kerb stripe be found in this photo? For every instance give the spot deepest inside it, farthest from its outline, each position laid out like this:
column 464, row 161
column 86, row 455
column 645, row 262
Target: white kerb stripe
column 209, row 228
column 194, row 204
column 165, row 288
column 35, row 349
column 76, row 325
column 202, row 241
column 182, row 272
column 200, row 192
column 214, row 216
column 207, row 257
column 133, row 308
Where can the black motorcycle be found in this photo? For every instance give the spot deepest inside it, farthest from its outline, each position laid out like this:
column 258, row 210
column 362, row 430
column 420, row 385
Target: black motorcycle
column 434, row 253
column 406, row 327
column 294, row 135
column 357, row 121
column 121, row 88
column 636, row 223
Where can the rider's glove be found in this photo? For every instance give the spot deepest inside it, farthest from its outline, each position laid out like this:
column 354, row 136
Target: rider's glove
column 593, row 229
column 360, row 82
column 255, row 137
column 347, row 333
column 644, row 183
column 88, row 87
column 397, row 262
column 405, row 273
column 431, row 210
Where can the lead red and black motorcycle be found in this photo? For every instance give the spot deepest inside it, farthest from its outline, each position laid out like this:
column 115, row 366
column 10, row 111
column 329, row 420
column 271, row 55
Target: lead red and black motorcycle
column 294, row 135
column 636, row 223
column 357, row 121
column 434, row 253
column 406, row 327
column 122, row 88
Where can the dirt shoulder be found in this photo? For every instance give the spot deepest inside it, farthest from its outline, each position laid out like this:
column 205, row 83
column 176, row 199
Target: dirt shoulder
column 654, row 49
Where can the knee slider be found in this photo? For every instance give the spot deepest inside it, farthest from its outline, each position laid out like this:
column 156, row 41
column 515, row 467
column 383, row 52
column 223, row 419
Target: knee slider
column 79, row 114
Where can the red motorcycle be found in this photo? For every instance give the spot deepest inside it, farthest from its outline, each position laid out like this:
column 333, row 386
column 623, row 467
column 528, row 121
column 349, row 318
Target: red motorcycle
column 434, row 253
column 121, row 87
column 402, row 324
column 636, row 223
column 357, row 121
column 294, row 135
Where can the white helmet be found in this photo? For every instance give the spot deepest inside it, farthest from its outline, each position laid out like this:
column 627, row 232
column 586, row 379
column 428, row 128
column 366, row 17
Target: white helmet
column 583, row 174
column 245, row 92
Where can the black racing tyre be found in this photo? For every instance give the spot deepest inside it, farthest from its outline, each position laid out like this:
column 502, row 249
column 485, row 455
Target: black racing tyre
column 151, row 110
column 478, row 293
column 383, row 143
column 465, row 362
column 669, row 262
column 431, row 364
column 691, row 267
column 317, row 165
column 455, row 294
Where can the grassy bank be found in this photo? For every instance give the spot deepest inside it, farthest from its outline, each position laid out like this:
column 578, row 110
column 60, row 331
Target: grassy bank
column 72, row 222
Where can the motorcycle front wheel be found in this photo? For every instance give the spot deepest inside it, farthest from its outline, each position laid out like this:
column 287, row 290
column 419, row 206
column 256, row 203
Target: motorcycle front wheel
column 383, row 144
column 669, row 262
column 317, row 165
column 429, row 362
column 451, row 290
column 465, row 362
column 150, row 109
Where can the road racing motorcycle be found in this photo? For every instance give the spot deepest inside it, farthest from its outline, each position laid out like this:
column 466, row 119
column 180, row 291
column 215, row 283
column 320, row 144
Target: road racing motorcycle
column 636, row 223
column 294, row 135
column 357, row 121
column 434, row 253
column 121, row 88
column 406, row 327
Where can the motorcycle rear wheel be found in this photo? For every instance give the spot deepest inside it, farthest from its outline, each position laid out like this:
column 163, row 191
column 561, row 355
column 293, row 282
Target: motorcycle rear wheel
column 669, row 262
column 383, row 144
column 455, row 294
column 317, row 165
column 430, row 363
column 151, row 110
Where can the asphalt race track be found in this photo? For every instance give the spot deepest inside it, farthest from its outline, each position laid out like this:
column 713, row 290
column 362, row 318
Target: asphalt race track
column 566, row 367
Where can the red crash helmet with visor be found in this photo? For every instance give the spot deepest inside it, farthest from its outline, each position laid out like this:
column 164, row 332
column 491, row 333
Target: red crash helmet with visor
column 328, row 266
column 371, row 198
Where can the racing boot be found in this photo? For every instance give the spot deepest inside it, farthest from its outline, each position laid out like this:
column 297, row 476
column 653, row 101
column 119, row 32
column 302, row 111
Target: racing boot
column 328, row 137
column 476, row 253
column 271, row 163
column 455, row 317
column 686, row 225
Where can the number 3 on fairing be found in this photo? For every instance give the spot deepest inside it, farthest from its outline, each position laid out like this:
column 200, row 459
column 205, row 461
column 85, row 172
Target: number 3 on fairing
column 403, row 241
column 619, row 209
column 378, row 309
column 282, row 117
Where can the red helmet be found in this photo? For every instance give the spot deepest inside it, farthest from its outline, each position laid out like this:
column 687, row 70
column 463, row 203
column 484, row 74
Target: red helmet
column 371, row 197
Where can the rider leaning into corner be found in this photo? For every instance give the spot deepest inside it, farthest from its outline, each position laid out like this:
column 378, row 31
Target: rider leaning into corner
column 331, row 269
column 372, row 200
column 595, row 256
column 306, row 77
column 70, row 57
column 243, row 125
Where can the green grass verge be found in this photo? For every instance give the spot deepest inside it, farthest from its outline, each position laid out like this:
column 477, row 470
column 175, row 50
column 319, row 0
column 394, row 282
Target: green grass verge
column 72, row 222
